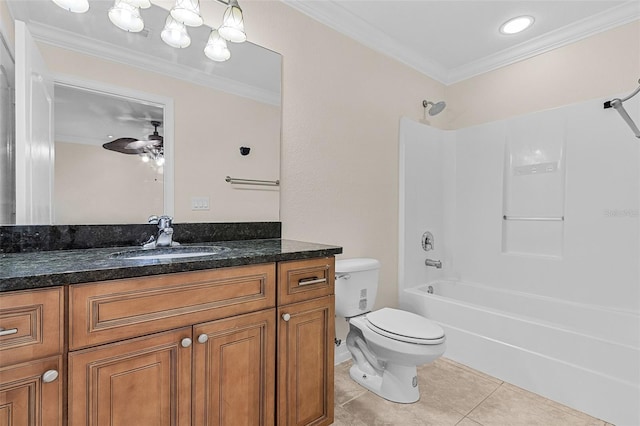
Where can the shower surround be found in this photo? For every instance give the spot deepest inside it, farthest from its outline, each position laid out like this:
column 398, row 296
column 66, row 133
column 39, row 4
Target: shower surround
column 549, row 302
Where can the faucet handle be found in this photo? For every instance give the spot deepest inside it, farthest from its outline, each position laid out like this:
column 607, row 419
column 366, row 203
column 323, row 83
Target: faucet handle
column 164, row 221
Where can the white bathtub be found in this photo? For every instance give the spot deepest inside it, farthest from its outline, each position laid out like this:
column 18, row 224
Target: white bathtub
column 586, row 357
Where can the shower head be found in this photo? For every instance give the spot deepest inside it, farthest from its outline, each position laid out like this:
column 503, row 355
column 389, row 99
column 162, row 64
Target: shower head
column 436, row 108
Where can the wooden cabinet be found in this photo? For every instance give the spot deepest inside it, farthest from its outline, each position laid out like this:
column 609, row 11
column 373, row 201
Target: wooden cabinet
column 31, row 367
column 142, row 381
column 241, row 346
column 306, row 333
column 218, row 370
column 234, row 374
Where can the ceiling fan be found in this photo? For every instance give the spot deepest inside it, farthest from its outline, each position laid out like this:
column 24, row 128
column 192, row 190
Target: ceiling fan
column 153, row 143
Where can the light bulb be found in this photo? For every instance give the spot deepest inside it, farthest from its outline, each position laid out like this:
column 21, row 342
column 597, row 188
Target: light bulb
column 126, row 16
column 516, row 25
column 75, row 6
column 187, row 12
column 175, row 34
column 216, row 48
column 232, row 27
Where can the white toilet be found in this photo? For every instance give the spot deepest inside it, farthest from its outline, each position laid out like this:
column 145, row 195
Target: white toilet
column 386, row 345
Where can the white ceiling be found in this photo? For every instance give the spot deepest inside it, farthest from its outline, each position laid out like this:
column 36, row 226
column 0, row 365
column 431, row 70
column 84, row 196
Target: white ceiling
column 93, row 118
column 451, row 40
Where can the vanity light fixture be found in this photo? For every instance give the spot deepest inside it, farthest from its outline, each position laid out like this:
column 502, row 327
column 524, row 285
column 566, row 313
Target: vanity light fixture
column 516, row 25
column 75, row 6
column 175, row 33
column 232, row 28
column 216, row 48
column 187, row 12
column 126, row 16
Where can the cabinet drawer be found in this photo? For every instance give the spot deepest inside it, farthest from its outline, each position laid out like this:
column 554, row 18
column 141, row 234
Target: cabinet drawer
column 115, row 310
column 31, row 324
column 305, row 279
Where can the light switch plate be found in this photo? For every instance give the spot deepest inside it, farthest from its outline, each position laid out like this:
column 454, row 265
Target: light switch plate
column 199, row 203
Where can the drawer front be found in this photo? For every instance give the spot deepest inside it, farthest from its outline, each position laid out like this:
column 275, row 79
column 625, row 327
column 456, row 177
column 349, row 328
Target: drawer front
column 31, row 324
column 115, row 310
column 301, row 280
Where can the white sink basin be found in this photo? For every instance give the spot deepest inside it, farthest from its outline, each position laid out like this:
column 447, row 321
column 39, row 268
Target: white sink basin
column 170, row 252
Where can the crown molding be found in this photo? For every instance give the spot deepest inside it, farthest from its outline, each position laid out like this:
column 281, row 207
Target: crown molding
column 81, row 44
column 331, row 14
column 614, row 17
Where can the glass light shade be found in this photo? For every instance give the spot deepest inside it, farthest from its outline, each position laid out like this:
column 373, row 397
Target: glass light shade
column 142, row 4
column 216, row 48
column 175, row 34
column 187, row 12
column 232, row 28
column 126, row 16
column 516, row 25
column 75, row 6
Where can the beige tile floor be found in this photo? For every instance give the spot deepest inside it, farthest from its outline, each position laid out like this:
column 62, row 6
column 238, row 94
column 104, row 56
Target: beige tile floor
column 452, row 394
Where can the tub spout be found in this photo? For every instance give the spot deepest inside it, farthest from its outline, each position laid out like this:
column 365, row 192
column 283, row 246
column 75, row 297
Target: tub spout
column 433, row 263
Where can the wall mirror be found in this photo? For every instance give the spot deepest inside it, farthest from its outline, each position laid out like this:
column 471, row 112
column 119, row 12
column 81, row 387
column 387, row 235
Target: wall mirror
column 109, row 84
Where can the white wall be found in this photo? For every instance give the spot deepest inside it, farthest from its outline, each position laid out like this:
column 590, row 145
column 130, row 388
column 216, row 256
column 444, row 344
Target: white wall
column 427, row 157
column 599, row 262
column 599, row 259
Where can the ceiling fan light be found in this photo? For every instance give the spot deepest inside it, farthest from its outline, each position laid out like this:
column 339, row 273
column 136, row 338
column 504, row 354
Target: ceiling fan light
column 75, row 6
column 126, row 16
column 232, row 27
column 187, row 12
column 216, row 48
column 175, row 34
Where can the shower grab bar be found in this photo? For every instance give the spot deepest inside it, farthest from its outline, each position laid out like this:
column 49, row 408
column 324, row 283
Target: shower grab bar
column 252, row 181
column 617, row 105
column 547, row 219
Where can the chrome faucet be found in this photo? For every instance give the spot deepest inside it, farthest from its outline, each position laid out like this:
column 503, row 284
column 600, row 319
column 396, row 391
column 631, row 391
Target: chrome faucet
column 165, row 233
column 433, row 263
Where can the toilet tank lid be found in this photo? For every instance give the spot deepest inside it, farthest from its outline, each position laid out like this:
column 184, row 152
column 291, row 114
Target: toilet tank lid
column 358, row 264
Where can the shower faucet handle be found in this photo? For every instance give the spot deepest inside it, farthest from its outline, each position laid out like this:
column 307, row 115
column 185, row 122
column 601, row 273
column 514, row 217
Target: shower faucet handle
column 427, row 241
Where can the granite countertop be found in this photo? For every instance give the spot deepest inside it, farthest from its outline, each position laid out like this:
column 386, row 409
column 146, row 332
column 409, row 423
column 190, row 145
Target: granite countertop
column 19, row 271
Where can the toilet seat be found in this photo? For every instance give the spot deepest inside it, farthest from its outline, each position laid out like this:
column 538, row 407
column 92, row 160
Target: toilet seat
column 405, row 326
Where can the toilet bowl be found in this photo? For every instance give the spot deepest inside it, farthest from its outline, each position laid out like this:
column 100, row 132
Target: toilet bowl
column 388, row 344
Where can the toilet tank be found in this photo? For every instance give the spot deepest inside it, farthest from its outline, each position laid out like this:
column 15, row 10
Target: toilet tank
column 356, row 286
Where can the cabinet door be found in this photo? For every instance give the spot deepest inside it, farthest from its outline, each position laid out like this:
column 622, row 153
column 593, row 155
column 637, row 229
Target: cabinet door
column 234, row 371
column 29, row 399
column 143, row 381
column 305, row 362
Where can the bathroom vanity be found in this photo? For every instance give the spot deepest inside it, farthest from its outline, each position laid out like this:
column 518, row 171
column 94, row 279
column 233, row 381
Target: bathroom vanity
column 242, row 337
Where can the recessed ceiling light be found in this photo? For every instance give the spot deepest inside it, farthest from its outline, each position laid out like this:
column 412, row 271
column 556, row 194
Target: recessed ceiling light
column 516, row 25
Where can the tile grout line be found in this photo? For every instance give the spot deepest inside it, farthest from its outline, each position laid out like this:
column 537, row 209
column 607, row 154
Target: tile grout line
column 355, row 397
column 480, row 403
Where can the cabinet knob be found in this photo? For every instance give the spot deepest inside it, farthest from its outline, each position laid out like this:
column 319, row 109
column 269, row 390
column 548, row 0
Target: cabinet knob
column 186, row 342
column 203, row 338
column 286, row 317
column 49, row 376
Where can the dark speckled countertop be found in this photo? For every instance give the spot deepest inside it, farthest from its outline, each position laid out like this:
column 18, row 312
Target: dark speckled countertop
column 19, row 271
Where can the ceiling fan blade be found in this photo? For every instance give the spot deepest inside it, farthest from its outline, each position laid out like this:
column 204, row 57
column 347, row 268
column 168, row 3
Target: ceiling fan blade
column 120, row 145
column 137, row 144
